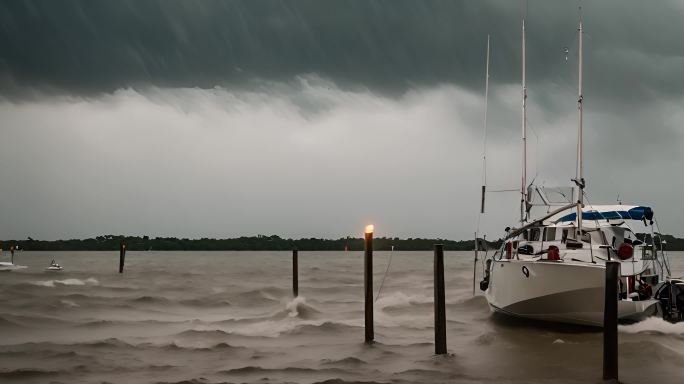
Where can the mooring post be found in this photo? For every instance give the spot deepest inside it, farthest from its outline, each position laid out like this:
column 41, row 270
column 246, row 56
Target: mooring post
column 122, row 256
column 440, row 305
column 368, row 283
column 610, row 317
column 295, row 273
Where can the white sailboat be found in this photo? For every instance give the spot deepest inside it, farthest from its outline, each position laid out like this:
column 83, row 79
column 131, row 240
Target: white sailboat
column 553, row 267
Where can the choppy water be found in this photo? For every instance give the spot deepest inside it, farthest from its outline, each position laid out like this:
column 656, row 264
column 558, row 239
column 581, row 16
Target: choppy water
column 210, row 317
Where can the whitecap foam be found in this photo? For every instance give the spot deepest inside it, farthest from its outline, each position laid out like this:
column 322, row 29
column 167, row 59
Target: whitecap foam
column 274, row 328
column 68, row 303
column 292, row 306
column 400, row 299
column 655, row 325
column 54, row 283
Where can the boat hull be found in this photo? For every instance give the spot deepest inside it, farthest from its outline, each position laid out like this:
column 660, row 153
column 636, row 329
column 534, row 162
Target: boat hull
column 558, row 292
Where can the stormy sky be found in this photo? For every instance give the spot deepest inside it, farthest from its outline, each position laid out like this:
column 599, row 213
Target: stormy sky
column 313, row 118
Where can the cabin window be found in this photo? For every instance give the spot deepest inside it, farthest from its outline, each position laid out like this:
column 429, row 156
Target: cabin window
column 550, row 233
column 525, row 235
column 534, row 234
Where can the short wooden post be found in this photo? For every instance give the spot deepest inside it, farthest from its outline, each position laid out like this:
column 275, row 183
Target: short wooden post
column 610, row 317
column 295, row 273
column 122, row 256
column 368, row 283
column 440, row 305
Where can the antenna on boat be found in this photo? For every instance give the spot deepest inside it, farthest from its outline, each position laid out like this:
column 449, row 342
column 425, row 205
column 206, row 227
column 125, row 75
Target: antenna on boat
column 523, row 192
column 579, row 179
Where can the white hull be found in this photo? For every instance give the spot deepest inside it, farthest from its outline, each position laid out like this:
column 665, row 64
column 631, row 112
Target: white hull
column 556, row 291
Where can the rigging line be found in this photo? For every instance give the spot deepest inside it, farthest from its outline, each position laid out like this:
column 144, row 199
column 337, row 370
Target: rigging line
column 503, row 190
column 536, row 149
column 666, row 259
column 385, row 275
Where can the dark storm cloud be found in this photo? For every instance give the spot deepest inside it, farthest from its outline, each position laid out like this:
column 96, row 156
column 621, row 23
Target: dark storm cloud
column 634, row 49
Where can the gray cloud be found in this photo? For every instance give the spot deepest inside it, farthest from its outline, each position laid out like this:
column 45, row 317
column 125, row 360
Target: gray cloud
column 312, row 118
column 193, row 162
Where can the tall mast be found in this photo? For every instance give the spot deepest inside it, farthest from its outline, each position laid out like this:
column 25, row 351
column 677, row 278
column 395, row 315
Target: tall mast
column 484, row 137
column 579, row 180
column 484, row 150
column 523, row 192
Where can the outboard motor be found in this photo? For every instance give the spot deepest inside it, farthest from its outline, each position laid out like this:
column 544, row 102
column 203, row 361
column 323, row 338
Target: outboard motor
column 671, row 297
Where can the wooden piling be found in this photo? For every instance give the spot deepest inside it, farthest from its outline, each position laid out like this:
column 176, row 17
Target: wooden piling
column 610, row 316
column 440, row 304
column 368, row 286
column 122, row 256
column 295, row 273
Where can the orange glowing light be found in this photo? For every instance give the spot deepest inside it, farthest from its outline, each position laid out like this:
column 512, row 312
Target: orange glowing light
column 369, row 228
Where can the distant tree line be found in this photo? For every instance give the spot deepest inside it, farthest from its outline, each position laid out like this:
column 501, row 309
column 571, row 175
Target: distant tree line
column 263, row 243
column 244, row 243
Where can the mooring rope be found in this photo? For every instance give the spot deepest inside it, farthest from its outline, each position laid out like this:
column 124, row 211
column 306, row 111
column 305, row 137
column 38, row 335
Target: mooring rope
column 385, row 275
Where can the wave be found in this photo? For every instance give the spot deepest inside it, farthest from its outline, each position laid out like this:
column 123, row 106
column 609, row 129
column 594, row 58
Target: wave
column 77, row 282
column 297, row 307
column 471, row 302
column 290, row 326
column 24, row 321
column 200, row 380
column 654, row 349
column 109, row 323
column 150, row 300
column 9, row 323
column 259, row 295
column 654, row 325
column 340, row 381
column 68, row 303
column 108, row 343
column 209, row 333
column 25, row 373
column 400, row 299
column 347, row 361
column 33, row 354
column 173, row 346
column 291, row 370
column 205, row 302
column 321, row 327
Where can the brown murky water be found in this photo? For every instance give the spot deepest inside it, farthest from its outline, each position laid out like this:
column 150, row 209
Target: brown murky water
column 214, row 317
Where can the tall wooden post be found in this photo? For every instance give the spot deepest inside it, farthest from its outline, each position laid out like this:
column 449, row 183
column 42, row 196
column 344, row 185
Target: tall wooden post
column 122, row 256
column 295, row 273
column 368, row 283
column 440, row 304
column 610, row 317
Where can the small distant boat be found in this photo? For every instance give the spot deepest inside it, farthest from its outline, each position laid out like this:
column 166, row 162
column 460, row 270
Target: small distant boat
column 54, row 266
